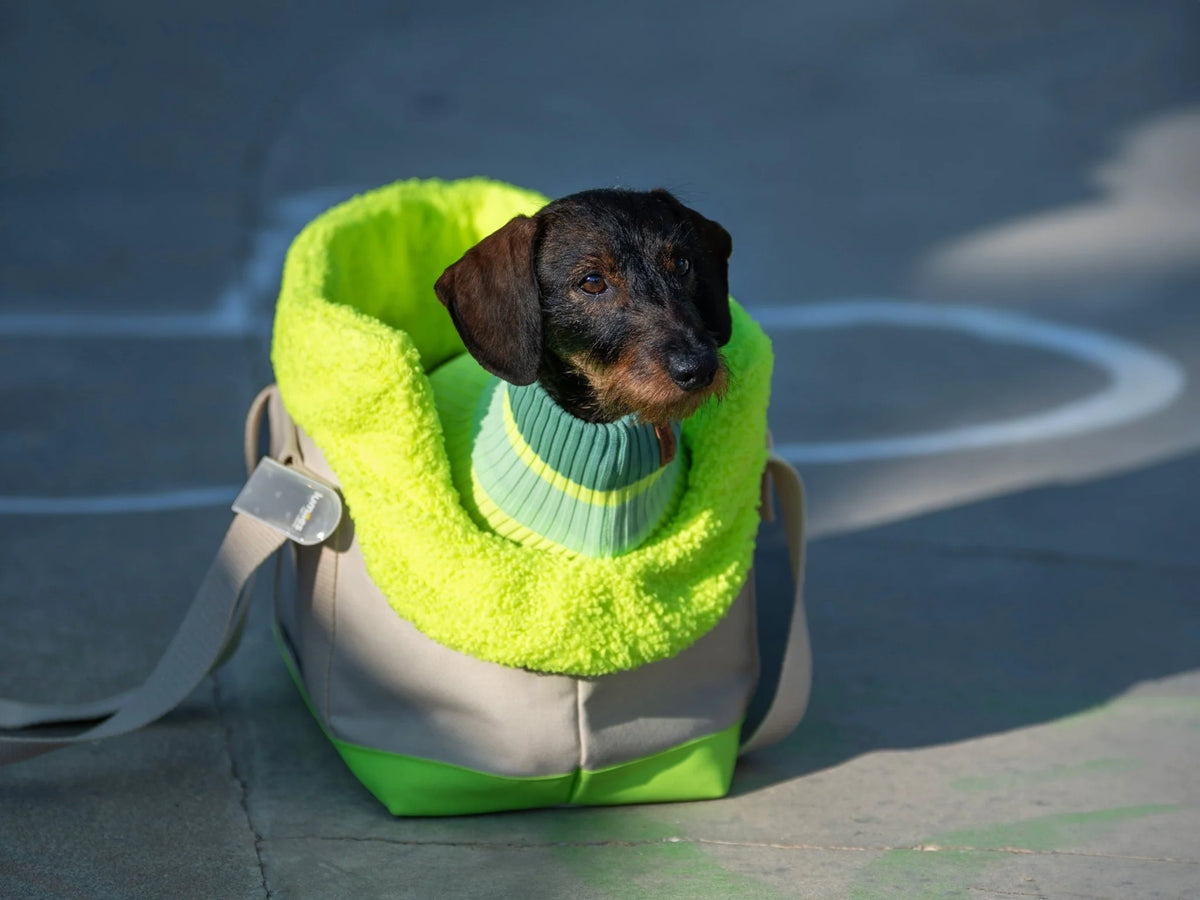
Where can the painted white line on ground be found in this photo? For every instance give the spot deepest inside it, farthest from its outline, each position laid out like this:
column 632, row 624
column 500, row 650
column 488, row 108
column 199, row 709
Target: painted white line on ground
column 132, row 326
column 1141, row 381
column 234, row 315
column 231, row 318
column 163, row 501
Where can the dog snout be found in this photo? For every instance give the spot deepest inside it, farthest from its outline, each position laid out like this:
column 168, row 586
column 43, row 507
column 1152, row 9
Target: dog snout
column 693, row 370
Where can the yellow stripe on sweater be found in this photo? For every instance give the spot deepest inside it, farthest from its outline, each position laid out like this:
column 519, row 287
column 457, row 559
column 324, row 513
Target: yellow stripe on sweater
column 508, row 527
column 560, row 482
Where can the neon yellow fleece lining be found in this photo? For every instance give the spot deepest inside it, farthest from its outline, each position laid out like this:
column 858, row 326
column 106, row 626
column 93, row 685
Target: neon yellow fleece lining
column 356, row 329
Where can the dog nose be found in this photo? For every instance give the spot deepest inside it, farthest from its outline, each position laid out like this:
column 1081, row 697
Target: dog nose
column 692, row 370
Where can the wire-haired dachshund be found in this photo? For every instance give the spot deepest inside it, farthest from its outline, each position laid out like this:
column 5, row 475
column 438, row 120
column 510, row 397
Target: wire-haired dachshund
column 615, row 300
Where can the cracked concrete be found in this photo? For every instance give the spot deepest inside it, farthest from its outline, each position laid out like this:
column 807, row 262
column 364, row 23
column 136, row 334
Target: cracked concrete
column 240, row 780
column 1007, row 690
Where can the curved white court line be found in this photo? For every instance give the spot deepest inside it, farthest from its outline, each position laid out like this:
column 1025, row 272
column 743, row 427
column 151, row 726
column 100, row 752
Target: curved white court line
column 163, row 501
column 233, row 316
column 164, row 326
column 236, row 313
column 1141, row 381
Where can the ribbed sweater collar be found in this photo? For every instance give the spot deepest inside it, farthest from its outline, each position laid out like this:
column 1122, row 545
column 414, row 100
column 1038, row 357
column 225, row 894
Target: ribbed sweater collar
column 546, row 478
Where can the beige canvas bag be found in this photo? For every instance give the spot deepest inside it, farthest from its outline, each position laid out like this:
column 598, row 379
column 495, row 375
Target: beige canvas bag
column 429, row 730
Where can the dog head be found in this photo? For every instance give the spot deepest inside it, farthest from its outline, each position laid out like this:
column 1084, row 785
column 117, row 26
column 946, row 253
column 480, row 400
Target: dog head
column 617, row 301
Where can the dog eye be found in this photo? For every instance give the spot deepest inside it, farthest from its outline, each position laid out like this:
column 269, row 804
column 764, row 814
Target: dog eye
column 683, row 265
column 593, row 283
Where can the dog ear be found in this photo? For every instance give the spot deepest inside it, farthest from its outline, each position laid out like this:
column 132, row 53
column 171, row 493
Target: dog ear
column 712, row 297
column 712, row 269
column 492, row 296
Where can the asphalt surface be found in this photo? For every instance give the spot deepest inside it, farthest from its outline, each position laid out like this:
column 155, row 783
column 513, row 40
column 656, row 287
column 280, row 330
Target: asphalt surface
column 973, row 232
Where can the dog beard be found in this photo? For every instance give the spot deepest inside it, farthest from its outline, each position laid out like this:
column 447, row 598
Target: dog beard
column 632, row 385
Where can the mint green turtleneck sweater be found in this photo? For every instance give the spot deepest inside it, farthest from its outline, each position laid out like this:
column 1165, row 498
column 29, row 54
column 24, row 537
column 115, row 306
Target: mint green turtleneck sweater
column 531, row 472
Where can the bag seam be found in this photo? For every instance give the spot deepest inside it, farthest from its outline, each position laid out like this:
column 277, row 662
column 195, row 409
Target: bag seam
column 327, row 549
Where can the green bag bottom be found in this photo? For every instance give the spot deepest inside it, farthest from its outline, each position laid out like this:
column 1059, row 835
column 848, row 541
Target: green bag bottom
column 701, row 769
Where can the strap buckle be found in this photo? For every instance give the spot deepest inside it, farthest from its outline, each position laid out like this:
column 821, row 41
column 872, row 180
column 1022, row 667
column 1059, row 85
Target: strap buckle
column 293, row 503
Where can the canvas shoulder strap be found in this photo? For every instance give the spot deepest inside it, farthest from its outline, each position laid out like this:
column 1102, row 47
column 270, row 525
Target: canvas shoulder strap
column 208, row 635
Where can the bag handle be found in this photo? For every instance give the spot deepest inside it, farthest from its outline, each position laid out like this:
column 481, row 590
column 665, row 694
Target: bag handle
column 207, row 636
column 795, row 674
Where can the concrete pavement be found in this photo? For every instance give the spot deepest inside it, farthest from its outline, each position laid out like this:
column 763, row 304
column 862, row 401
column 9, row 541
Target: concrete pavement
column 1006, row 634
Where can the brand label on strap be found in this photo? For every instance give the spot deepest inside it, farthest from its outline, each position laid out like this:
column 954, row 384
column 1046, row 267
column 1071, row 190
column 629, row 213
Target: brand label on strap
column 291, row 502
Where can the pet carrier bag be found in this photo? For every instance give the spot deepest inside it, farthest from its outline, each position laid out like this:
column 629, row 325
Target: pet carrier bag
column 453, row 670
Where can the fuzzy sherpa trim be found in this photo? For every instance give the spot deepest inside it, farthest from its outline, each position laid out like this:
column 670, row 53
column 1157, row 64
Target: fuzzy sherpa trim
column 356, row 329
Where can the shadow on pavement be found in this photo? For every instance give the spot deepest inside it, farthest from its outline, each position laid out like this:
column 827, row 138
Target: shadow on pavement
column 921, row 637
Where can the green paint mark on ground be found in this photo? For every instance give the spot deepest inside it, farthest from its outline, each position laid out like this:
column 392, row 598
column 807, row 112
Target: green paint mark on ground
column 948, row 864
column 673, row 870
column 1179, row 708
column 1054, row 773
column 1060, row 832
column 911, row 875
column 642, row 853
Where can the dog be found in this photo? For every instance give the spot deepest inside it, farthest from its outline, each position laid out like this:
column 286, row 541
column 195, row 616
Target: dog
column 614, row 301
